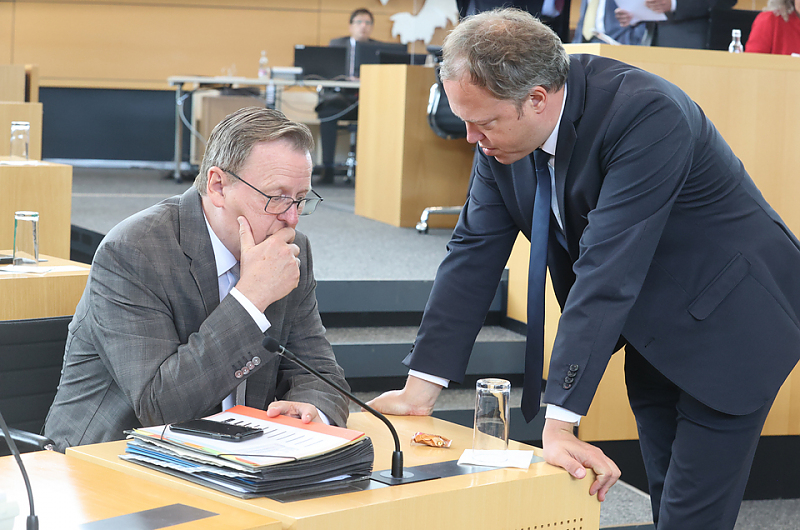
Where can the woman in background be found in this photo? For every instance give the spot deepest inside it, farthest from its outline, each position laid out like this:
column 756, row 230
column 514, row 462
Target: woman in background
column 777, row 29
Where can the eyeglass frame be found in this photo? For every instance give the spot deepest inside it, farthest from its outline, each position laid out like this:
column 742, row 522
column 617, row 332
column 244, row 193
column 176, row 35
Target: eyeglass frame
column 295, row 202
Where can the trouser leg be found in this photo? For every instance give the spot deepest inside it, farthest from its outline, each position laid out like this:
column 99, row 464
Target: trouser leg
column 707, row 453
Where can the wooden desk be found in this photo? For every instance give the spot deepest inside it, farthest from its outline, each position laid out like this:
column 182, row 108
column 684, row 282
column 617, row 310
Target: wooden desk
column 40, row 187
column 68, row 492
column 541, row 497
column 52, row 294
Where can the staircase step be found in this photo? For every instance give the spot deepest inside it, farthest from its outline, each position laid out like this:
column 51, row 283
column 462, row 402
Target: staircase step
column 379, row 351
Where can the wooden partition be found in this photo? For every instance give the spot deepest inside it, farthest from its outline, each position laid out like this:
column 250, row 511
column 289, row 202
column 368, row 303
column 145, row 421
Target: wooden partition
column 139, row 43
column 403, row 167
column 41, row 187
column 750, row 98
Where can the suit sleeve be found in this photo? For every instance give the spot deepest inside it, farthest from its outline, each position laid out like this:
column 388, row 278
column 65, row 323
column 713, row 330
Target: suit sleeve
column 134, row 332
column 466, row 281
column 307, row 340
column 645, row 160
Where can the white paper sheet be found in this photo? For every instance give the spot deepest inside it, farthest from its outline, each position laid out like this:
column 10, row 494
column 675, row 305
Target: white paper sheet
column 639, row 12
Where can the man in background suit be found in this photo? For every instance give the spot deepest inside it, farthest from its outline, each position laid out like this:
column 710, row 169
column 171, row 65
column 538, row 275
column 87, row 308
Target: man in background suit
column 162, row 335
column 656, row 239
column 686, row 25
column 601, row 19
column 335, row 101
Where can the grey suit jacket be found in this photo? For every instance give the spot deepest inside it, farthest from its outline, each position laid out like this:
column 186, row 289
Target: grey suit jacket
column 151, row 343
column 687, row 26
column 669, row 247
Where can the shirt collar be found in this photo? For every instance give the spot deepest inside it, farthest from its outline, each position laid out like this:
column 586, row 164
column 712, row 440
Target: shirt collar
column 222, row 256
column 549, row 146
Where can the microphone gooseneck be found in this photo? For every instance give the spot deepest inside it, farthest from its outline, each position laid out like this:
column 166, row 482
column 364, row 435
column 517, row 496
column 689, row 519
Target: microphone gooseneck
column 270, row 344
column 32, row 523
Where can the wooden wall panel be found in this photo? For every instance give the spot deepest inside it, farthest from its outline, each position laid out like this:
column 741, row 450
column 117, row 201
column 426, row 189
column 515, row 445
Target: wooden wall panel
column 6, row 31
column 139, row 43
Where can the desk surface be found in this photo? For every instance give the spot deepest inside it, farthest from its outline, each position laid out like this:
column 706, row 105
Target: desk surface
column 68, row 492
column 502, row 498
column 51, row 294
column 179, row 80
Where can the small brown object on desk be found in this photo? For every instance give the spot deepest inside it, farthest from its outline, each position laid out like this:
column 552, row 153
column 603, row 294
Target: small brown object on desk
column 497, row 498
column 69, row 492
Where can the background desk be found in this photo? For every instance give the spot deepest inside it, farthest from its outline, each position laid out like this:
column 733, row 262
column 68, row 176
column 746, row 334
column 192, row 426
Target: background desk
column 542, row 496
column 68, row 492
column 52, row 294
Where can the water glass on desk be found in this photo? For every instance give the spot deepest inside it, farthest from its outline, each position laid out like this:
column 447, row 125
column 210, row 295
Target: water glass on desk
column 26, row 238
column 492, row 407
column 20, row 139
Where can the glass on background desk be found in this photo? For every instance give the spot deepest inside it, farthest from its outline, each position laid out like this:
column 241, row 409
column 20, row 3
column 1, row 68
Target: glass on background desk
column 69, row 492
column 540, row 497
column 228, row 81
column 42, row 295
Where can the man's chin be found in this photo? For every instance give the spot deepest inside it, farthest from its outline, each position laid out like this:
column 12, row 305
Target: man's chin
column 507, row 158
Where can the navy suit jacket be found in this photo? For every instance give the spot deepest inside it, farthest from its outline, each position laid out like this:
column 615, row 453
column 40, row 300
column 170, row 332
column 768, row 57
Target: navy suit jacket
column 669, row 246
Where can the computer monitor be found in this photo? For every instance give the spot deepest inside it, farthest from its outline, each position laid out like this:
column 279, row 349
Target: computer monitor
column 385, row 57
column 321, row 62
column 367, row 52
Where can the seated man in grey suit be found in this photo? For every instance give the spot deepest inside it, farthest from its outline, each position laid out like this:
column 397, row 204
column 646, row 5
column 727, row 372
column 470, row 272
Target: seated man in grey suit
column 597, row 18
column 161, row 334
column 335, row 101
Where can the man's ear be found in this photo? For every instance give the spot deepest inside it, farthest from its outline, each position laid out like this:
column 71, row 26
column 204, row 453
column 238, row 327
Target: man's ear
column 216, row 186
column 537, row 98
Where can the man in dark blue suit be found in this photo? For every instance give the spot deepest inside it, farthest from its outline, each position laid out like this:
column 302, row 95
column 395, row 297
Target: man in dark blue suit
column 656, row 240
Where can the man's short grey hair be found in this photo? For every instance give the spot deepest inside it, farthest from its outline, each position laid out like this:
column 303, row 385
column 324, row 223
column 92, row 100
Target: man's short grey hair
column 233, row 138
column 507, row 52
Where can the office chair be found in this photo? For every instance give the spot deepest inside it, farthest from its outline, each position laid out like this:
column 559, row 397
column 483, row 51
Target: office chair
column 31, row 355
column 446, row 125
column 722, row 21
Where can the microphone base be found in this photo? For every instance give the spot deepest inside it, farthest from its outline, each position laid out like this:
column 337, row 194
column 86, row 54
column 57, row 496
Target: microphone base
column 410, row 475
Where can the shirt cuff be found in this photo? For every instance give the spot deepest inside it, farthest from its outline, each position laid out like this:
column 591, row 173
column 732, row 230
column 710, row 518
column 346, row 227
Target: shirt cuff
column 258, row 317
column 674, row 5
column 554, row 412
column 325, row 419
column 441, row 381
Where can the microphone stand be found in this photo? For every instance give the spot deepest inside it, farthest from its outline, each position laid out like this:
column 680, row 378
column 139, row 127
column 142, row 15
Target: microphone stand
column 397, row 475
column 32, row 522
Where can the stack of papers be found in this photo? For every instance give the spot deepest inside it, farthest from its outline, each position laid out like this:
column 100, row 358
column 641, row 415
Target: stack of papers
column 289, row 456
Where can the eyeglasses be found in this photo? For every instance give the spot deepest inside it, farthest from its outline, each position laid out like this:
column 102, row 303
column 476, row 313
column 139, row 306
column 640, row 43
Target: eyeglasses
column 278, row 204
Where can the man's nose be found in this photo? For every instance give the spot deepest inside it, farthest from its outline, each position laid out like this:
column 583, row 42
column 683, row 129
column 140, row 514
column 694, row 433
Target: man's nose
column 291, row 216
column 473, row 134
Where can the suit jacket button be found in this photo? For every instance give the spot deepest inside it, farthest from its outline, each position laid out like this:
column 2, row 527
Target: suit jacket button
column 569, row 379
column 574, row 367
column 251, row 365
column 238, row 374
column 566, row 386
column 256, row 360
column 572, row 373
column 245, row 370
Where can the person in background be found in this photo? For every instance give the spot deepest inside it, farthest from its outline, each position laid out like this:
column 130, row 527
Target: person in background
column 341, row 103
column 777, row 29
column 597, row 17
column 180, row 295
column 686, row 25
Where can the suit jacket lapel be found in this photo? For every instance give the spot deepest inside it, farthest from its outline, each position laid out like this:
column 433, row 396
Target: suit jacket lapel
column 196, row 245
column 567, row 135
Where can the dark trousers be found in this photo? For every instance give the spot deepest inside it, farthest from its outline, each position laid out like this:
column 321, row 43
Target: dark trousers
column 332, row 104
column 697, row 459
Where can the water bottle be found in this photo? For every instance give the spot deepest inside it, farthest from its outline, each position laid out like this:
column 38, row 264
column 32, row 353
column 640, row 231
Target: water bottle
column 736, row 42
column 263, row 66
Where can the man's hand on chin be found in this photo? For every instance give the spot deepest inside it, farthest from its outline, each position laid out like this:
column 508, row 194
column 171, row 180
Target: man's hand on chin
column 563, row 449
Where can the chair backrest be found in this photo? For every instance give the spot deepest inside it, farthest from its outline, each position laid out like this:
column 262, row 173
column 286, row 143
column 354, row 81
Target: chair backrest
column 722, row 21
column 441, row 119
column 31, row 355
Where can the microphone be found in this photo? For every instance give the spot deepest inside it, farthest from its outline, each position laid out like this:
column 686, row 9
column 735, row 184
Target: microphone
column 32, row 522
column 397, row 475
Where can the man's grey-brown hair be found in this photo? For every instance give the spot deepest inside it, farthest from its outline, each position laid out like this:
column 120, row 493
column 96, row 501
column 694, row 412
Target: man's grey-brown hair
column 233, row 138
column 507, row 52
